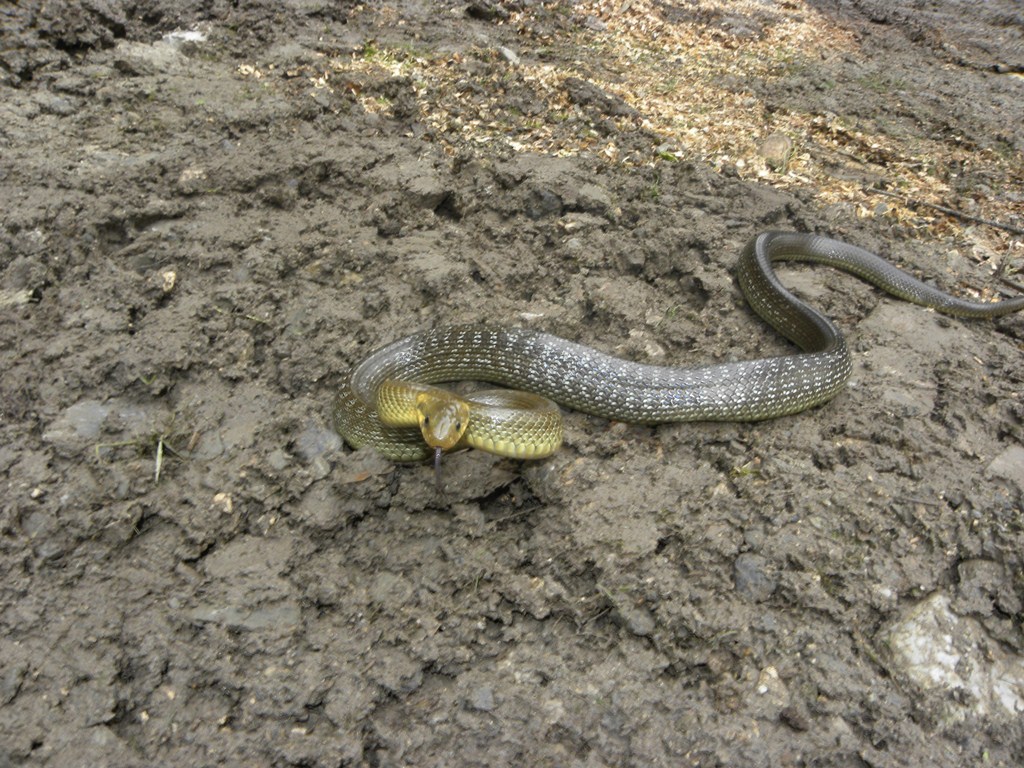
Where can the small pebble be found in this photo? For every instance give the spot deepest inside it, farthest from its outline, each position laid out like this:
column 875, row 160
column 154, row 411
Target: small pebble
column 315, row 441
column 638, row 621
column 752, row 579
column 482, row 699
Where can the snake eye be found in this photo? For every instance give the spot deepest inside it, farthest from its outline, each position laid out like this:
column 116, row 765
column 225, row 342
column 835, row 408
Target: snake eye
column 458, row 426
column 426, row 420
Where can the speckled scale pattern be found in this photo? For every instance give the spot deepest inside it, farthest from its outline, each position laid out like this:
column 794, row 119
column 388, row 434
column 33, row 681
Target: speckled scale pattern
column 587, row 380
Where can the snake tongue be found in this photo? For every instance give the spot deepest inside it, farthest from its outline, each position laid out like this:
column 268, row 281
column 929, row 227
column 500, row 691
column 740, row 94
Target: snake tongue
column 437, row 467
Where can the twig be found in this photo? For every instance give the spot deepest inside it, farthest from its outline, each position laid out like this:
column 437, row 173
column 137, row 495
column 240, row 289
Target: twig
column 913, row 204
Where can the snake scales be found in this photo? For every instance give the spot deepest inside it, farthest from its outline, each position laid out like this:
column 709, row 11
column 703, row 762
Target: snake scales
column 588, row 380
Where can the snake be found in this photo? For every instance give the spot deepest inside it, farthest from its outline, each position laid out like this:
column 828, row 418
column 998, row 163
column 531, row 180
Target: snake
column 390, row 401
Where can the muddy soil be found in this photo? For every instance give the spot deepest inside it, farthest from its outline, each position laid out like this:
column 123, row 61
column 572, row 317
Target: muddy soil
column 198, row 242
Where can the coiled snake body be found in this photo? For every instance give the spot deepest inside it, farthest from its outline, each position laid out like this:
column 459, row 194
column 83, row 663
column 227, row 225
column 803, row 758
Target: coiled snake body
column 587, row 380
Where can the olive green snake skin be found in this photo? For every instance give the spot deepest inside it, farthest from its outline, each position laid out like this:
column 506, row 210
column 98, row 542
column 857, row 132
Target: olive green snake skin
column 585, row 379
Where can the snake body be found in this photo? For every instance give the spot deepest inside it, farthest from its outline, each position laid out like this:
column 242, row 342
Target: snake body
column 591, row 381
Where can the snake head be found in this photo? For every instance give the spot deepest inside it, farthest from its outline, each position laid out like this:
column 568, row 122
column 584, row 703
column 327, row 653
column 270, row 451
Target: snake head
column 443, row 418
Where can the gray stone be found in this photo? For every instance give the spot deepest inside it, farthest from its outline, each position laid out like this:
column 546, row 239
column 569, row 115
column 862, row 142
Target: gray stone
column 509, row 55
column 639, row 621
column 939, row 651
column 482, row 699
column 752, row 578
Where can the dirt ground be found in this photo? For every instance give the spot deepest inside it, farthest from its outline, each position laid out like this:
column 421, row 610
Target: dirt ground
column 202, row 231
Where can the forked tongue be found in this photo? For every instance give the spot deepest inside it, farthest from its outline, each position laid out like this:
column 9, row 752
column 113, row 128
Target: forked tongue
column 437, row 467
